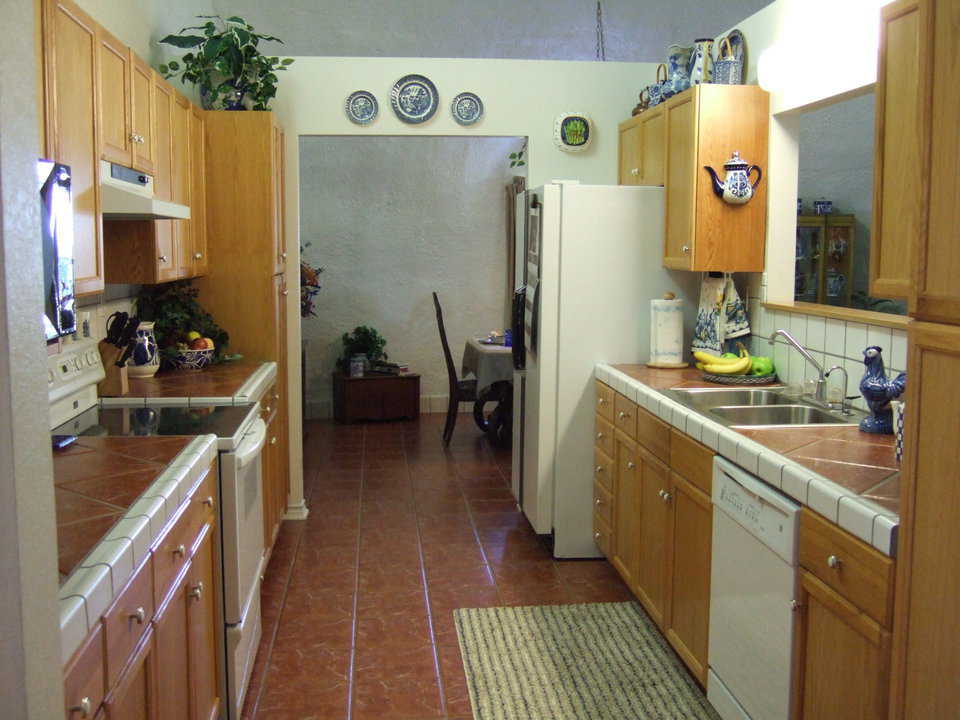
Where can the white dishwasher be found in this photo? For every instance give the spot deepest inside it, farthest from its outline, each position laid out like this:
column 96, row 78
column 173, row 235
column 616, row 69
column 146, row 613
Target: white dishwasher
column 752, row 601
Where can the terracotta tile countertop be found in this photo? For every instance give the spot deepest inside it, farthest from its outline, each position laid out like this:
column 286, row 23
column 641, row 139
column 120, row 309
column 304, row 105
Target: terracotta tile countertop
column 96, row 480
column 241, row 381
column 860, row 466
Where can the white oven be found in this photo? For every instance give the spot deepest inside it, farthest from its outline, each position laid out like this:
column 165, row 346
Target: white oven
column 241, row 504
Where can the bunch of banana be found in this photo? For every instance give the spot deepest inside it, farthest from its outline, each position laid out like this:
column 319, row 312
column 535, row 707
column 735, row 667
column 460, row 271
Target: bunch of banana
column 726, row 365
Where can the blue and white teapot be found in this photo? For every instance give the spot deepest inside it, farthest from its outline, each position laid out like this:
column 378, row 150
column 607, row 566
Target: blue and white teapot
column 736, row 189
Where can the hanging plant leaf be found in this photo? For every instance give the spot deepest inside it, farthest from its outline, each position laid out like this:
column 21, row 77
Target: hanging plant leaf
column 183, row 41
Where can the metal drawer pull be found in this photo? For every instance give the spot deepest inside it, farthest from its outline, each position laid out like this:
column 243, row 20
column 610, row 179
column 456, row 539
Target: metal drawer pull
column 630, row 465
column 180, row 550
column 273, row 440
column 197, row 590
column 601, row 401
column 598, row 469
column 596, row 536
column 163, row 258
column 283, row 255
column 139, row 615
column 834, row 562
column 84, row 707
column 208, row 501
column 635, row 171
column 599, row 436
column 796, row 606
column 667, row 497
column 623, row 415
column 597, row 502
column 197, row 256
column 685, row 248
column 284, row 291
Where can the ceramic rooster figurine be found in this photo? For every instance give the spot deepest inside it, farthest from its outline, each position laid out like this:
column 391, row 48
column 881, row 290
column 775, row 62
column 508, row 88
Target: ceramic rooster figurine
column 878, row 392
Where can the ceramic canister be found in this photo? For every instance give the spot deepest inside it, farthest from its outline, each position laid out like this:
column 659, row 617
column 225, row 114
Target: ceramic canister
column 700, row 68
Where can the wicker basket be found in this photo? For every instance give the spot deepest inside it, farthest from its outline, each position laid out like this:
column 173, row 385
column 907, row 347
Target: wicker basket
column 741, row 379
column 193, row 359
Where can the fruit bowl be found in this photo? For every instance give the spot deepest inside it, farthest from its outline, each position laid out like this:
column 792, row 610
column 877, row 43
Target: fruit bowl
column 740, row 379
column 193, row 359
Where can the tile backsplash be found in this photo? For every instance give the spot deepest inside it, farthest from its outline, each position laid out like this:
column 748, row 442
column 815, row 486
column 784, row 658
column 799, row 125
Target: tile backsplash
column 829, row 341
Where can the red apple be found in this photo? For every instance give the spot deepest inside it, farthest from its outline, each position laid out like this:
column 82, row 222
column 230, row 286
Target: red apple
column 208, row 343
column 198, row 344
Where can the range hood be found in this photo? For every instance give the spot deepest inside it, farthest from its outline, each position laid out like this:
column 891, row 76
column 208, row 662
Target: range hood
column 127, row 194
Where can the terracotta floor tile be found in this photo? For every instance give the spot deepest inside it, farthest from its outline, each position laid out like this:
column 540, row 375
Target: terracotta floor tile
column 446, row 576
column 397, row 692
column 452, row 554
column 454, row 681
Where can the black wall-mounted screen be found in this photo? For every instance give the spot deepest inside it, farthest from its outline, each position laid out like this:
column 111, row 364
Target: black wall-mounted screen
column 56, row 209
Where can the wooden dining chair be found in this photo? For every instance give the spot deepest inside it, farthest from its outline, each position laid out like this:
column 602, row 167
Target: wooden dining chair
column 460, row 390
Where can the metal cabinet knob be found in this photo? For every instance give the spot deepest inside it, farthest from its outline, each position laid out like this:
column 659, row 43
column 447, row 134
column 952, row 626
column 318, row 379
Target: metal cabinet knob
column 197, row 255
column 267, row 410
column 84, row 707
column 601, row 401
column 630, row 465
column 596, row 536
column 273, row 440
column 208, row 501
column 635, row 171
column 283, row 256
column 667, row 497
column 138, row 615
column 276, row 396
column 685, row 248
column 598, row 502
column 834, row 562
column 623, row 415
column 180, row 551
column 599, row 469
column 196, row 591
column 599, row 436
column 163, row 258
column 284, row 291
column 795, row 605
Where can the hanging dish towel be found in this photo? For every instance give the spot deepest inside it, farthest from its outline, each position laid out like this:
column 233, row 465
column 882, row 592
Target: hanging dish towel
column 722, row 315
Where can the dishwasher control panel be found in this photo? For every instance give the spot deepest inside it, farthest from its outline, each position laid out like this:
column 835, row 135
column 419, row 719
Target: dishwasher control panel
column 759, row 508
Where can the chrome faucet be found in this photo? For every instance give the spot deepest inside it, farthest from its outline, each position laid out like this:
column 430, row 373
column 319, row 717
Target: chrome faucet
column 846, row 380
column 820, row 394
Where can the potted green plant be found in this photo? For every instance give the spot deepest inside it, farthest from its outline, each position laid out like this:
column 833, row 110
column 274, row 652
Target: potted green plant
column 178, row 320
column 226, row 63
column 362, row 341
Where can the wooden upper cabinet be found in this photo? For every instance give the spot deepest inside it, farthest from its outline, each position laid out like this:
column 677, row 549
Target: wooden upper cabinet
column 198, row 193
column 935, row 290
column 841, row 667
column 181, row 183
column 142, row 116
column 704, row 126
column 71, row 69
column 279, row 186
column 642, row 148
column 115, row 102
column 163, row 101
column 899, row 142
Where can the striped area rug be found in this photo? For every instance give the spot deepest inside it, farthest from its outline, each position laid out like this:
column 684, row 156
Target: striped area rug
column 596, row 661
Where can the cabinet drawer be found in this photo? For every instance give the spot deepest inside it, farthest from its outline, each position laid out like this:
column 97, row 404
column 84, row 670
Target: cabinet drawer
column 653, row 434
column 172, row 551
column 605, row 395
column 601, row 534
column 126, row 621
column 625, row 416
column 603, row 439
column 691, row 460
column 858, row 572
column 83, row 677
column 603, row 503
column 603, row 470
column 203, row 501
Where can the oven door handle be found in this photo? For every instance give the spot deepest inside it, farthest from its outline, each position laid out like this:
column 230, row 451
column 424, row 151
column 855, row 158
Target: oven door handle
column 252, row 443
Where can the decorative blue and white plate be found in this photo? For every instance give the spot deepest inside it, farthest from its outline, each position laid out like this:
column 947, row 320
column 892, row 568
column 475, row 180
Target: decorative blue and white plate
column 467, row 108
column 362, row 107
column 414, row 99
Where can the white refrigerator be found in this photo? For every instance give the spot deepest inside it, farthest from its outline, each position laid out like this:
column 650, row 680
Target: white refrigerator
column 590, row 260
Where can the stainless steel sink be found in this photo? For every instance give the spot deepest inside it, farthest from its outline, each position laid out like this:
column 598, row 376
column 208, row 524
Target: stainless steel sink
column 778, row 415
column 706, row 398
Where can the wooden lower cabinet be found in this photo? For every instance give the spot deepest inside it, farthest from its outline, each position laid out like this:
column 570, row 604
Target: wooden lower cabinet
column 691, row 535
column 625, row 547
column 654, row 525
column 134, row 697
column 202, row 622
column 170, row 632
column 842, row 658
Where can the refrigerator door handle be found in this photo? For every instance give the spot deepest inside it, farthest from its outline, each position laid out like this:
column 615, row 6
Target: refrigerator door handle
column 535, row 320
column 516, row 318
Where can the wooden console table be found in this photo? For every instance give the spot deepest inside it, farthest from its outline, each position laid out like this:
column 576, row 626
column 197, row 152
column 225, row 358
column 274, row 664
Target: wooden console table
column 376, row 397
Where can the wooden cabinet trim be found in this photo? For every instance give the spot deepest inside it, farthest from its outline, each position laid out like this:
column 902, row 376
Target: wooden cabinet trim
column 84, row 675
column 127, row 619
column 141, row 656
column 653, row 434
column 692, row 460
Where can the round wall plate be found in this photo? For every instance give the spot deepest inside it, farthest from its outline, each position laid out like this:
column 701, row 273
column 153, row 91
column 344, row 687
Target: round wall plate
column 362, row 107
column 467, row 108
column 573, row 131
column 414, row 99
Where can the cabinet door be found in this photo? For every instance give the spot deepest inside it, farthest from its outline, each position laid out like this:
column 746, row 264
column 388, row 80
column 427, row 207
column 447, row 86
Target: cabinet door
column 652, row 146
column 842, row 658
column 202, row 631
column 680, row 119
column 142, row 114
column 688, row 620
column 926, row 654
column 630, row 153
column 114, row 90
column 170, row 636
column 181, row 183
column 898, row 145
column 937, row 295
column 280, row 397
column 163, row 141
column 651, row 585
column 71, row 59
column 279, row 222
column 626, row 511
column 198, row 193
column 134, row 697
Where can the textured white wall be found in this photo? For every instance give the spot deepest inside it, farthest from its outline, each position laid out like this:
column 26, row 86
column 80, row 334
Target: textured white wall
column 393, row 219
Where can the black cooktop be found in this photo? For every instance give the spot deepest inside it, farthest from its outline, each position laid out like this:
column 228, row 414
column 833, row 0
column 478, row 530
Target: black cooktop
column 223, row 421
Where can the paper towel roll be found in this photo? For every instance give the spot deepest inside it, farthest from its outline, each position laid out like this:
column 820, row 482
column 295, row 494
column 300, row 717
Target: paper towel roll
column 666, row 333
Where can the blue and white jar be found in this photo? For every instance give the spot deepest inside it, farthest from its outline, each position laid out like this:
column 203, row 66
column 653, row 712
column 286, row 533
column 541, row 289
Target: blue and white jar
column 145, row 360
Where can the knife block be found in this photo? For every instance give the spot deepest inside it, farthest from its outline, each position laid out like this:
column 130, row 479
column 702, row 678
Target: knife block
column 115, row 382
